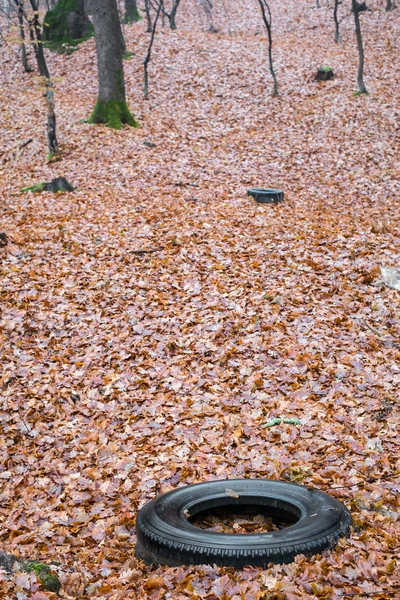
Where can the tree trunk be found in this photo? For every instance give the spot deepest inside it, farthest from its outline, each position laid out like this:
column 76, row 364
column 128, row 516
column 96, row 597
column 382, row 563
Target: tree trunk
column 148, row 16
column 20, row 11
column 360, row 76
column 389, row 5
column 51, row 120
column 267, row 18
column 172, row 14
column 207, row 6
column 111, row 107
column 148, row 55
column 131, row 11
column 36, row 37
column 335, row 18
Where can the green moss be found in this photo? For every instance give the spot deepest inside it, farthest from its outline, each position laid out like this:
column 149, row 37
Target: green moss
column 49, row 580
column 327, row 69
column 57, row 31
column 36, row 189
column 128, row 55
column 361, row 93
column 67, row 45
column 113, row 113
column 38, row 567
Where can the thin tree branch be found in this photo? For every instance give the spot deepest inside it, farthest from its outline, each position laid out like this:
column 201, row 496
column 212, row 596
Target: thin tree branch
column 148, row 55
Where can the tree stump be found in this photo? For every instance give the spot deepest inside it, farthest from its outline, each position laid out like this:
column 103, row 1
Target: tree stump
column 324, row 74
column 59, row 184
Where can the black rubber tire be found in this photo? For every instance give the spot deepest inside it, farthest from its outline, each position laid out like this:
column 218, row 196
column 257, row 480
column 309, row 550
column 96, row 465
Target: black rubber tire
column 166, row 537
column 265, row 196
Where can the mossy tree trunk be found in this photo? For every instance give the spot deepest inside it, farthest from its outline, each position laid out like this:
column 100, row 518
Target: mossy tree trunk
column 131, row 11
column 67, row 21
column 111, row 107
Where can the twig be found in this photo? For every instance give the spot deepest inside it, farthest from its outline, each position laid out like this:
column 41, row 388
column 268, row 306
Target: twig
column 25, row 143
column 371, row 328
column 145, row 251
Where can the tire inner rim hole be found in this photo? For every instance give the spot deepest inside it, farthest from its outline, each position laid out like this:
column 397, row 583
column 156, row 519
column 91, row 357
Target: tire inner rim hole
column 244, row 519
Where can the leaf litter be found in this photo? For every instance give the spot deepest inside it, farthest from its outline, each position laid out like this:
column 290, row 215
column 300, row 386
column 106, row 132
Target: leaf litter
column 148, row 331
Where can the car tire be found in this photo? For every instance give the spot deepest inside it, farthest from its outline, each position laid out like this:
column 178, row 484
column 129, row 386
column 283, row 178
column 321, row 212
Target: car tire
column 165, row 535
column 266, row 196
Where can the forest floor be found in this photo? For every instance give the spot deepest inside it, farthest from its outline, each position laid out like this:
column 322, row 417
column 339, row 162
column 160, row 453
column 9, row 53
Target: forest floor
column 155, row 319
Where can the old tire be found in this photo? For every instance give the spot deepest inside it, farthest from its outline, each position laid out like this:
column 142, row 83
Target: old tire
column 166, row 537
column 266, row 195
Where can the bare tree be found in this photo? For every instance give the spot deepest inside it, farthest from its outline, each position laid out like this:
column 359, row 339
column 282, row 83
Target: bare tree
column 148, row 16
column 336, row 19
column 148, row 55
column 35, row 32
column 171, row 15
column 20, row 13
column 208, row 6
column 111, row 107
column 267, row 18
column 357, row 8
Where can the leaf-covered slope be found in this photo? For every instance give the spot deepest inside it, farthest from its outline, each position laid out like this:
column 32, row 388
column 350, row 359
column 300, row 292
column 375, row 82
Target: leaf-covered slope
column 155, row 319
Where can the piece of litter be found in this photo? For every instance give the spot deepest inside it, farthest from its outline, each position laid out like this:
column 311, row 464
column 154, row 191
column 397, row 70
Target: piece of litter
column 391, row 277
column 279, row 421
column 231, row 493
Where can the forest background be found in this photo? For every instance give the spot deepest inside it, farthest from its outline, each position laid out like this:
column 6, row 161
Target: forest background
column 155, row 319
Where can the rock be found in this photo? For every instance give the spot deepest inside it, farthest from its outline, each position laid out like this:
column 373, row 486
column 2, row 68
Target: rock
column 7, row 561
column 59, row 184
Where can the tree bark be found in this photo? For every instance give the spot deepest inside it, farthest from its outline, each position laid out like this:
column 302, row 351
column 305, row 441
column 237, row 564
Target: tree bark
column 389, row 5
column 131, row 11
column 111, row 107
column 357, row 8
